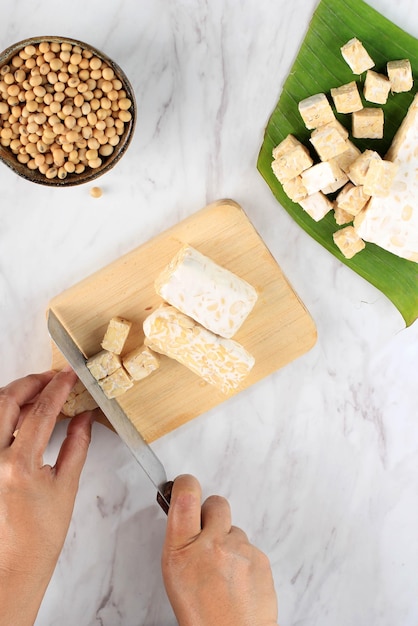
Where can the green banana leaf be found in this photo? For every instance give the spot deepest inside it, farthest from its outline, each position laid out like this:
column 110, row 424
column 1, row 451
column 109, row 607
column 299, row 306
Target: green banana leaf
column 318, row 67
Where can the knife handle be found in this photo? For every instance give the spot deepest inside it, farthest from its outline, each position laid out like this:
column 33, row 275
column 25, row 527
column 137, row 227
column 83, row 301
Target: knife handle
column 166, row 492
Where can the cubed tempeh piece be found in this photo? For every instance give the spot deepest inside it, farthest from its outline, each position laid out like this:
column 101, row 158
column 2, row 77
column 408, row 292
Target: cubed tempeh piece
column 116, row 334
column 359, row 167
column 316, row 111
column 379, row 178
column 356, row 56
column 346, row 158
column 352, row 199
column 368, row 123
column 103, row 364
column 341, row 179
column 334, row 124
column 286, row 145
column 328, row 142
column 347, row 98
column 221, row 362
column 210, row 294
column 116, row 384
column 376, row 87
column 291, row 164
column 348, row 241
column 341, row 216
column 320, row 176
column 141, row 362
column 400, row 75
column 317, row 205
column 78, row 401
column 295, row 189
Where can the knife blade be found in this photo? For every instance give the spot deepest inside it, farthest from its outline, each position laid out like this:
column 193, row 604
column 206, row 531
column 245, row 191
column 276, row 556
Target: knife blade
column 131, row 437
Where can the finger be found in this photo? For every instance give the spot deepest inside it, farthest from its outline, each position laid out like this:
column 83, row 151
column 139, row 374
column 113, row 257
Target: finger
column 96, row 414
column 24, row 411
column 13, row 396
column 73, row 452
column 184, row 515
column 36, row 429
column 239, row 534
column 216, row 515
column 25, row 389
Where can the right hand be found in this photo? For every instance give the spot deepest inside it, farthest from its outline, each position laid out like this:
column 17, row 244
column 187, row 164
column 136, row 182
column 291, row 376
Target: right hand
column 211, row 572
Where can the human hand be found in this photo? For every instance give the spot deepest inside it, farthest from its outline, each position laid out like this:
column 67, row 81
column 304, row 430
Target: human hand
column 36, row 500
column 211, row 572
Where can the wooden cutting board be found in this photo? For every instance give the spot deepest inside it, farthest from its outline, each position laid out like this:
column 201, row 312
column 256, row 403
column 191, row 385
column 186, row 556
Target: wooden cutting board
column 278, row 330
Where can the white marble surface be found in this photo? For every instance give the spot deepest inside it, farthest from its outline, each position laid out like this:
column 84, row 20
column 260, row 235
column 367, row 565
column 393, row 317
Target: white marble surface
column 319, row 460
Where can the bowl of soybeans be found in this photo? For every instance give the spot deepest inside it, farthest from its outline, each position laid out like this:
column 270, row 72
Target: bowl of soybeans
column 67, row 111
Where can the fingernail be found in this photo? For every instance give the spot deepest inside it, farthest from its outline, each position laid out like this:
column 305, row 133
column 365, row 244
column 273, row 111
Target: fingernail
column 67, row 369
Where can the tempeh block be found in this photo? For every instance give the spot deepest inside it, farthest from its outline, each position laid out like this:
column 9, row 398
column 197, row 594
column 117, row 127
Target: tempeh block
column 208, row 293
column 222, row 362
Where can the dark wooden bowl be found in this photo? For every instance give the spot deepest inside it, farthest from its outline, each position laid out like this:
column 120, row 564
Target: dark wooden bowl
column 89, row 174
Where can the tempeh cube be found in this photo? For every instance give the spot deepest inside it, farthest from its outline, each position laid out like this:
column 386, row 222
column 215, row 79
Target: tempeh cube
column 316, row 111
column 286, row 145
column 356, row 56
column 295, row 189
column 358, row 169
column 317, row 205
column 347, row 98
column 379, row 178
column 352, row 199
column 116, row 334
column 368, row 123
column 291, row 164
column 348, row 241
column 346, row 158
column 333, row 124
column 341, row 216
column 376, row 87
column 141, row 362
column 116, row 384
column 328, row 142
column 103, row 363
column 340, row 180
column 320, row 176
column 400, row 75
column 78, row 401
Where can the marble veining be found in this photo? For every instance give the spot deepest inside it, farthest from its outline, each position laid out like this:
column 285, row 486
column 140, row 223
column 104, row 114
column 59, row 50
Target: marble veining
column 319, row 459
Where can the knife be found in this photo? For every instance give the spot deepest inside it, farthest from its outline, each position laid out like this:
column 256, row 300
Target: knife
column 142, row 452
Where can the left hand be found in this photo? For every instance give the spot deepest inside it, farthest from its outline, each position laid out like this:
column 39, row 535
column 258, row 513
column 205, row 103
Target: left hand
column 36, row 500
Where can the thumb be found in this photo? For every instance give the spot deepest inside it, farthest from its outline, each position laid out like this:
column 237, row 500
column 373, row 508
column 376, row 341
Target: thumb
column 184, row 515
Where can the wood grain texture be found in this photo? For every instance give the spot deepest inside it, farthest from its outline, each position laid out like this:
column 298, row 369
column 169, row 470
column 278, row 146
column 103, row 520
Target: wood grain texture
column 278, row 330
